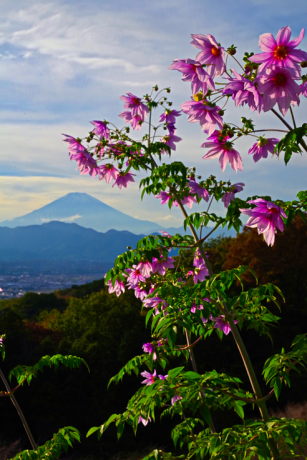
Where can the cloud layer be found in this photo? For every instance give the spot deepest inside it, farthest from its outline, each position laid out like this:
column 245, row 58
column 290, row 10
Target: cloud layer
column 63, row 63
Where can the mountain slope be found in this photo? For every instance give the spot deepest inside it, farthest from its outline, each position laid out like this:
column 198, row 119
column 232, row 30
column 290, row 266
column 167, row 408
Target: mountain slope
column 87, row 212
column 63, row 242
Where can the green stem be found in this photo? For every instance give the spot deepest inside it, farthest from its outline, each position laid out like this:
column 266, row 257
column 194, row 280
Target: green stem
column 22, row 417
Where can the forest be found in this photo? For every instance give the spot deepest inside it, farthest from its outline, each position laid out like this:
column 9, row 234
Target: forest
column 107, row 331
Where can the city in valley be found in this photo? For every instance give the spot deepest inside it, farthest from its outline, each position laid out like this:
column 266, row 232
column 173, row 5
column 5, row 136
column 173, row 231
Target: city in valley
column 39, row 277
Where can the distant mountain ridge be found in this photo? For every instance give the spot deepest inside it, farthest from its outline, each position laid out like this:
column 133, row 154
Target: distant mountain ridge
column 58, row 241
column 86, row 211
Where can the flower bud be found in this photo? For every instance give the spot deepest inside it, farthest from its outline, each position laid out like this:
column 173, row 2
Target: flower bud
column 230, row 133
column 303, row 64
column 247, row 68
column 168, row 90
column 221, row 112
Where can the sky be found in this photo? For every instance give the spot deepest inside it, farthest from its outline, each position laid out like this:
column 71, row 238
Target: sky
column 65, row 63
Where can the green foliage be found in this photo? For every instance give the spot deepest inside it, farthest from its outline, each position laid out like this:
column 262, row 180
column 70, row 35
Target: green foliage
column 26, row 373
column 291, row 142
column 277, row 368
column 52, row 449
column 243, row 441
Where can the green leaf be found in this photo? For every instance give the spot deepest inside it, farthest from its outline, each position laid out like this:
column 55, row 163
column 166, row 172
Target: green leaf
column 190, row 375
column 174, row 372
column 277, row 387
column 239, row 409
column 92, row 430
column 204, row 410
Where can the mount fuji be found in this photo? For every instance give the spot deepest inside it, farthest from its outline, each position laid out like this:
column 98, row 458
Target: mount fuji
column 86, row 211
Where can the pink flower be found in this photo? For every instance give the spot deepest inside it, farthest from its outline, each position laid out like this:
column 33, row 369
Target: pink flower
column 79, row 153
column 198, row 261
column 198, row 190
column 243, row 92
column 153, row 302
column 174, row 399
column 135, row 277
column 135, row 120
column 164, row 233
column 169, row 116
column 202, row 111
column 278, row 87
column 222, row 324
column 92, row 170
column 193, row 308
column 187, row 200
column 134, row 104
column 101, row 129
column 303, row 88
column 266, row 217
column 160, row 266
column 212, row 53
column 165, row 197
column 193, row 71
column 118, row 288
column 225, row 152
column 74, row 145
column 280, row 52
column 145, row 268
column 230, row 196
column 109, row 172
column 145, row 422
column 149, row 348
column 261, row 148
column 123, row 179
column 200, row 273
column 139, row 292
column 170, row 140
column 149, row 378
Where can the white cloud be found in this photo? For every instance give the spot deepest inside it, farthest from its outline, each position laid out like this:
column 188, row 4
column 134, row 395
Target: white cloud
column 66, row 219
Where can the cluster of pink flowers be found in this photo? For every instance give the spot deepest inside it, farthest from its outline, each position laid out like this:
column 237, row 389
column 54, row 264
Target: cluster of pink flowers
column 185, row 200
column 200, row 271
column 273, row 83
column 169, row 118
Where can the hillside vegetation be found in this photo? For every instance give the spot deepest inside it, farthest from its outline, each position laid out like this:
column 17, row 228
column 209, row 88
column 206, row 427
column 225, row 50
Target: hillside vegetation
column 108, row 331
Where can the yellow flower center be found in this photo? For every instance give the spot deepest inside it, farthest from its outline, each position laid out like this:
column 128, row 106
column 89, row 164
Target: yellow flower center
column 281, row 52
column 198, row 97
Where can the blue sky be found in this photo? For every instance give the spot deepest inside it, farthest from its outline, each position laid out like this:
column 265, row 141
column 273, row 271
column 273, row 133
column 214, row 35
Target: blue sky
column 64, row 63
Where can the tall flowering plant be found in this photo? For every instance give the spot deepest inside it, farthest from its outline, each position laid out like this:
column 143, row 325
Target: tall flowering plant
column 199, row 302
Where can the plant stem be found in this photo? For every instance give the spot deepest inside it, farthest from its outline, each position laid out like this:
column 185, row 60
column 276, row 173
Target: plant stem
column 192, row 357
column 292, row 116
column 239, row 342
column 22, row 417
